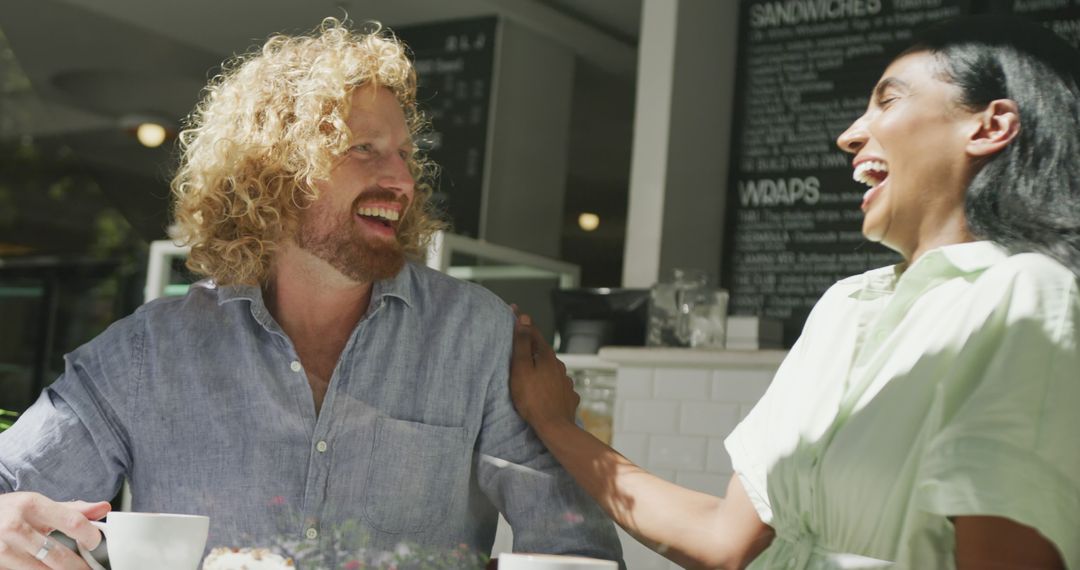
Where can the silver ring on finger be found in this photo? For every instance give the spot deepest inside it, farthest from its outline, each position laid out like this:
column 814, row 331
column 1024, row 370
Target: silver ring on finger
column 44, row 550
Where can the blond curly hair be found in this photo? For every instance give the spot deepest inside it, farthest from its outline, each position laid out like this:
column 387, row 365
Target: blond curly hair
column 271, row 124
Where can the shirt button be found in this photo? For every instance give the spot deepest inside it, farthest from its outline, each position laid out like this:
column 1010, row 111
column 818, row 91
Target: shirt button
column 321, row 447
column 295, row 365
column 311, row 533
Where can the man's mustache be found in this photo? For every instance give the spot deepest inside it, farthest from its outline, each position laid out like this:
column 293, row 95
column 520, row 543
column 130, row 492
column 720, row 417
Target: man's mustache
column 380, row 195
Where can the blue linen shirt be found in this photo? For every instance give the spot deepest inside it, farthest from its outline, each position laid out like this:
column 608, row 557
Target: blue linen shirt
column 201, row 403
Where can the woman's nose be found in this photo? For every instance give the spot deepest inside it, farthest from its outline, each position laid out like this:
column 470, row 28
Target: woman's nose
column 853, row 138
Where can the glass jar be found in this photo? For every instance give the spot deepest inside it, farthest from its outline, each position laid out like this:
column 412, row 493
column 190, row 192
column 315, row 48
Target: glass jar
column 670, row 306
column 597, row 409
column 708, row 319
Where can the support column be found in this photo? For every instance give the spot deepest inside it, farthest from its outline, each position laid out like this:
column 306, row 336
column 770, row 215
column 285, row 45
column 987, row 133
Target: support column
column 682, row 129
column 527, row 140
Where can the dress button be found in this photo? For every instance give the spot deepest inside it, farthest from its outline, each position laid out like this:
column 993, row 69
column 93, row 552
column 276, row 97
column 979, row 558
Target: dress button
column 295, row 365
column 321, row 447
column 311, row 533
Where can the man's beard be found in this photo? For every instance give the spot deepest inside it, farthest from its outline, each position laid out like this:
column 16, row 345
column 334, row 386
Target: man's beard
column 342, row 244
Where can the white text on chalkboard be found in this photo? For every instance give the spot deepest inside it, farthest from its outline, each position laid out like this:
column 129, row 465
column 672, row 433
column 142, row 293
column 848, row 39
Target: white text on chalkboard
column 793, row 12
column 780, row 192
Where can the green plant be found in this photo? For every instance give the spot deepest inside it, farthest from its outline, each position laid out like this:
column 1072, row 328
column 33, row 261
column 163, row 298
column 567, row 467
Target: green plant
column 347, row 546
column 6, row 419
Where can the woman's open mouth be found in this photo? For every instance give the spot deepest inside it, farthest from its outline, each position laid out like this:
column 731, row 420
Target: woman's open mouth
column 872, row 173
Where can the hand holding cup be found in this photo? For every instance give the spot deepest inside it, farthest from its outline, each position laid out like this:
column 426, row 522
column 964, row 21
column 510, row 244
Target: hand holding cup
column 27, row 519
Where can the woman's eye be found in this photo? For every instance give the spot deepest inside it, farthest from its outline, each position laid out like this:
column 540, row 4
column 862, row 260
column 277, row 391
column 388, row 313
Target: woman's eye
column 363, row 147
column 886, row 101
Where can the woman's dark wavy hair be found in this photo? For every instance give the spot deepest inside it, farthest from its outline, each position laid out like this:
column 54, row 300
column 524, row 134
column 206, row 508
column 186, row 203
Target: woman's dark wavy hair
column 1026, row 197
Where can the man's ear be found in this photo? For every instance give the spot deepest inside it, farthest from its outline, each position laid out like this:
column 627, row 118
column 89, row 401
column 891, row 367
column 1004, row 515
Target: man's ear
column 999, row 123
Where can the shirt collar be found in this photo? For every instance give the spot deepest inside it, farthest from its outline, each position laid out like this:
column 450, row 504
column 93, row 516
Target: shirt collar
column 973, row 256
column 960, row 259
column 965, row 258
column 399, row 286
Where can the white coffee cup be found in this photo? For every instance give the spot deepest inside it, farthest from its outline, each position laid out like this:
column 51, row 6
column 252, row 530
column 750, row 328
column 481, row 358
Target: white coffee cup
column 522, row 561
column 138, row 541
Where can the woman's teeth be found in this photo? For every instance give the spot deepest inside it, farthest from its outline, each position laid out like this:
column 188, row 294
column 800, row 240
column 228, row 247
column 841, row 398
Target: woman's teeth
column 871, row 172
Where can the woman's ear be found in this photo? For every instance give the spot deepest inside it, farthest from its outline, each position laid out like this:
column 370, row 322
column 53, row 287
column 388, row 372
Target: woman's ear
column 998, row 125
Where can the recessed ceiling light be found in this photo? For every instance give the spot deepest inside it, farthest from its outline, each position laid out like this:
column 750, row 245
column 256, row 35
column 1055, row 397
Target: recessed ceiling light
column 588, row 221
column 151, row 135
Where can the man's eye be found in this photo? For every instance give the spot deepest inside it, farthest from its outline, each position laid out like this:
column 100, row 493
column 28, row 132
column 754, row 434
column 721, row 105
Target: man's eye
column 404, row 154
column 362, row 147
column 886, row 101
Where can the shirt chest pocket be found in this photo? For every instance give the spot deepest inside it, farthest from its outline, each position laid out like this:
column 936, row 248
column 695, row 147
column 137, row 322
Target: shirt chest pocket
column 416, row 470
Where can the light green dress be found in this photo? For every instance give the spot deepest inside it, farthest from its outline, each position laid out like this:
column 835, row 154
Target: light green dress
column 949, row 388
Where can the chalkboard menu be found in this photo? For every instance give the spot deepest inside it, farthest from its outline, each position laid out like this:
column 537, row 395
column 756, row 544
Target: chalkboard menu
column 1062, row 16
column 805, row 72
column 455, row 61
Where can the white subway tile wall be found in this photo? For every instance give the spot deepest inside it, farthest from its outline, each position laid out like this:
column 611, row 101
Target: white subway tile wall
column 705, row 482
column 677, row 452
column 635, row 383
column 715, row 419
column 740, row 385
column 635, row 446
column 648, row 416
column 673, row 421
column 718, row 460
column 681, row 383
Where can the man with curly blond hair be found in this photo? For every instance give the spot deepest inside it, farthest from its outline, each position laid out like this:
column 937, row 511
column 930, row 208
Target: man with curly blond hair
column 320, row 385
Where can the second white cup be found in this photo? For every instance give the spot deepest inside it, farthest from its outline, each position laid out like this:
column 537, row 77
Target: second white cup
column 521, row 561
column 138, row 541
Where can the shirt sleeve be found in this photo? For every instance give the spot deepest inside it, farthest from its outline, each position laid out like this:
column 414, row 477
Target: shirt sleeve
column 71, row 444
column 748, row 444
column 767, row 432
column 546, row 509
column 1008, row 446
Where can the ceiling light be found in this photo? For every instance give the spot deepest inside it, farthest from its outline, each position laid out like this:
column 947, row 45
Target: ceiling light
column 588, row 221
column 151, row 135
column 150, row 128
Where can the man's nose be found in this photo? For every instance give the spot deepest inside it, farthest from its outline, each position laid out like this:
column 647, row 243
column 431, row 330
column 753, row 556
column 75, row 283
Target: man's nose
column 396, row 175
column 854, row 137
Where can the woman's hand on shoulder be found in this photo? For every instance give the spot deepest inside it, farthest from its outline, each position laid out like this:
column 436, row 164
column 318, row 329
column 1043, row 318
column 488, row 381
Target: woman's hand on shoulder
column 542, row 392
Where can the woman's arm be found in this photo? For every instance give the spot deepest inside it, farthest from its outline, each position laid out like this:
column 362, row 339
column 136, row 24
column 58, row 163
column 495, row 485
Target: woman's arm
column 693, row 529
column 998, row 543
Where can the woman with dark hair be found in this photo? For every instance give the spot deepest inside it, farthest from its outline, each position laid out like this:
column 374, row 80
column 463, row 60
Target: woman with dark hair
column 929, row 415
column 1026, row 197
